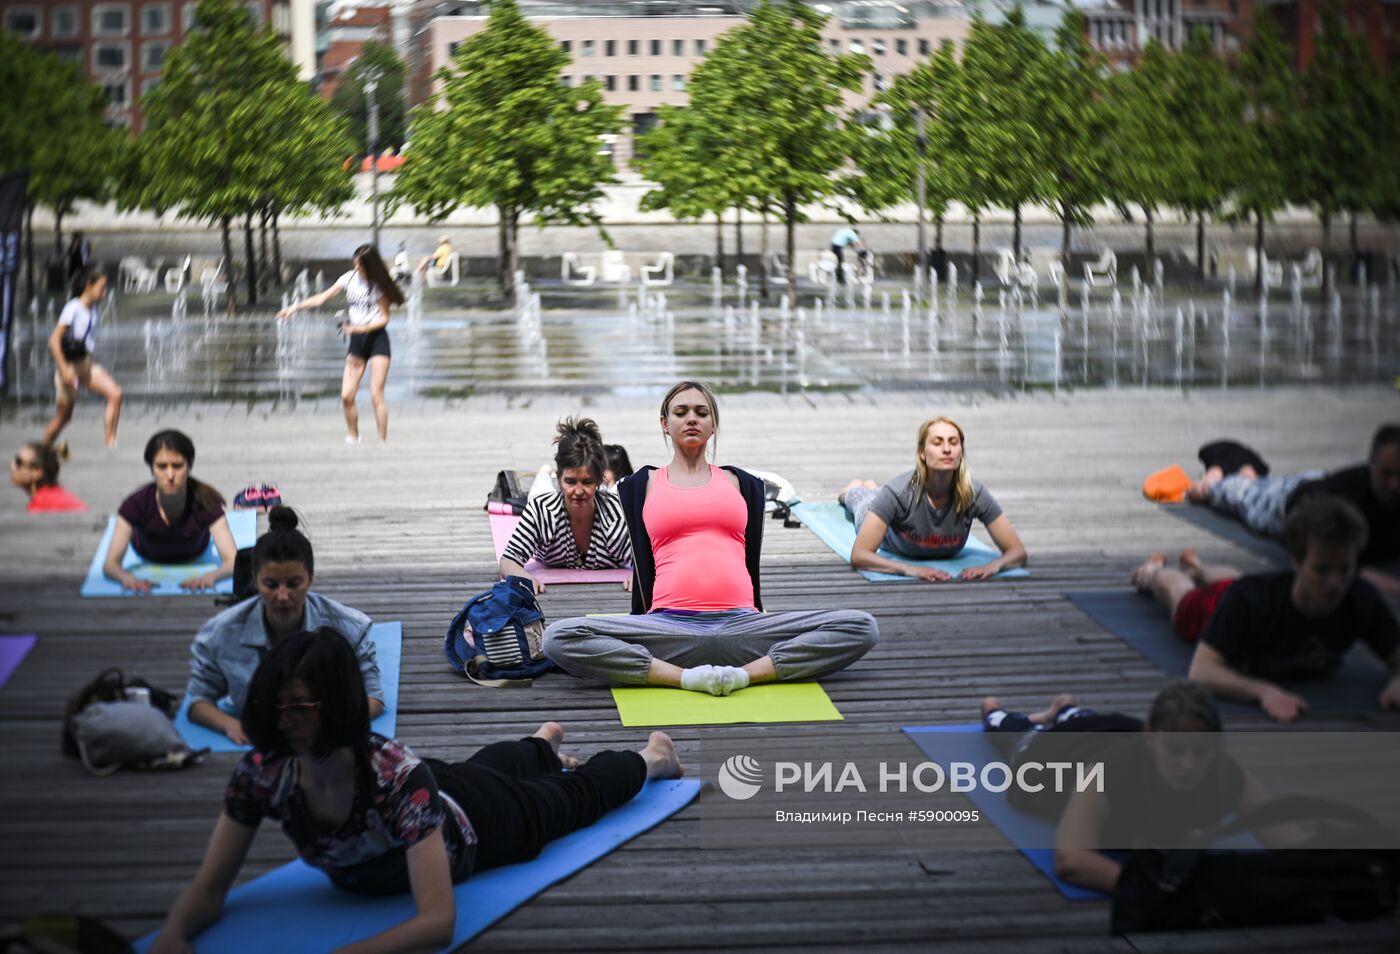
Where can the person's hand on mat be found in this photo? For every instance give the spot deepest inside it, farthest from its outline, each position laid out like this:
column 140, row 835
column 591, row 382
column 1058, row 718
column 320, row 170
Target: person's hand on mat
column 1390, row 695
column 235, row 733
column 203, row 582
column 627, row 584
column 930, row 573
column 164, row 944
column 135, row 583
column 1282, row 706
column 984, row 572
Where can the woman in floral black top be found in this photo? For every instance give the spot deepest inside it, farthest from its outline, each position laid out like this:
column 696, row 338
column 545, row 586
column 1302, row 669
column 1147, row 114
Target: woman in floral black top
column 376, row 818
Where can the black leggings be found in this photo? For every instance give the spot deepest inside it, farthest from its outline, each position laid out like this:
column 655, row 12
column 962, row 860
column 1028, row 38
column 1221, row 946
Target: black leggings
column 518, row 798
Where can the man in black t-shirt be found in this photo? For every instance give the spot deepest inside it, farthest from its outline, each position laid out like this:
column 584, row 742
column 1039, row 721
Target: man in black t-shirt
column 1374, row 489
column 1299, row 623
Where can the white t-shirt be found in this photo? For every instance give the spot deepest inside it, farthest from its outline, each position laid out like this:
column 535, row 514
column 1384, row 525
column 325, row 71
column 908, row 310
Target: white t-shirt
column 362, row 297
column 81, row 319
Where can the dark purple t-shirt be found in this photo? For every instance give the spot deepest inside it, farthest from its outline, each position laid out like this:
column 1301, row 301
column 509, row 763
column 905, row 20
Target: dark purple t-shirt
column 182, row 540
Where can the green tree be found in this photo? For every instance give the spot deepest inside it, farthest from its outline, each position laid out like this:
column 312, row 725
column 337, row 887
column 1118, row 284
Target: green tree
column 772, row 91
column 1206, row 106
column 52, row 125
column 681, row 155
column 349, row 97
column 1073, row 128
column 512, row 136
column 1143, row 137
column 1269, row 137
column 1342, row 127
column 1003, row 69
column 226, row 129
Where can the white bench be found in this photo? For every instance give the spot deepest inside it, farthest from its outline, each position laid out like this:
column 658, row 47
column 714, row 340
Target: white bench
column 437, row 276
column 136, row 276
column 662, row 272
column 1102, row 272
column 574, row 273
column 1272, row 272
column 614, row 268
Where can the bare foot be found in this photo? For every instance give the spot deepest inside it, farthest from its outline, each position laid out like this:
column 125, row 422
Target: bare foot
column 988, row 704
column 1190, row 561
column 1144, row 575
column 1057, row 705
column 661, row 758
column 1199, row 492
column 553, row 733
column 841, row 497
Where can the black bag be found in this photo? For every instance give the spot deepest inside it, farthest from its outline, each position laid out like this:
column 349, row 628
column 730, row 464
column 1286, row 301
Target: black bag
column 1190, row 888
column 73, row 349
column 244, row 586
column 507, row 491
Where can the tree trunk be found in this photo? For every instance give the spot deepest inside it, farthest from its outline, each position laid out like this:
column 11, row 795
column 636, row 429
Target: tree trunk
column 276, row 242
column 1016, row 232
column 1258, row 252
column 58, row 231
column 938, row 232
column 790, row 216
column 1326, row 255
column 252, row 274
column 267, row 279
column 1201, row 247
column 513, row 252
column 503, row 275
column 228, row 264
column 719, row 242
column 976, row 249
column 29, row 253
column 763, row 255
column 1151, row 243
column 1065, row 210
column 738, row 237
column 1355, row 245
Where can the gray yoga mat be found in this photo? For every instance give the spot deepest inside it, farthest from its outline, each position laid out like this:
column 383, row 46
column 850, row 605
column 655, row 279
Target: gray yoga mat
column 1228, row 528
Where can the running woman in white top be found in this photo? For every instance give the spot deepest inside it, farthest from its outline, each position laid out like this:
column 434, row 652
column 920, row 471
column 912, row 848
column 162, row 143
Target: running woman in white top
column 369, row 291
column 71, row 345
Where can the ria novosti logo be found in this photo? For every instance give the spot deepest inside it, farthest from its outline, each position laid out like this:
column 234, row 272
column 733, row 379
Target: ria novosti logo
column 740, row 777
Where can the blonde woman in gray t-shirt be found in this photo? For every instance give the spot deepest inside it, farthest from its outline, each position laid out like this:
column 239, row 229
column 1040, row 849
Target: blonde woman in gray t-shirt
column 927, row 513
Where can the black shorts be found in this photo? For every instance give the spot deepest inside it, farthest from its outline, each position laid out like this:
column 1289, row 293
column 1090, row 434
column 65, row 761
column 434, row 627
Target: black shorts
column 372, row 345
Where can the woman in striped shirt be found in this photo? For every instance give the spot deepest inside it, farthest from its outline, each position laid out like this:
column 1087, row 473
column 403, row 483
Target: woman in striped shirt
column 575, row 526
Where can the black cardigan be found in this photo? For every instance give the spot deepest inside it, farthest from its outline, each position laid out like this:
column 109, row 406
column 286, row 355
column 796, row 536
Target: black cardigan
column 633, row 491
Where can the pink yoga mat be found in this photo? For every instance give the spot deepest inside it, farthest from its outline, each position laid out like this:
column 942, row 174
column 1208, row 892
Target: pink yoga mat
column 13, row 649
column 503, row 525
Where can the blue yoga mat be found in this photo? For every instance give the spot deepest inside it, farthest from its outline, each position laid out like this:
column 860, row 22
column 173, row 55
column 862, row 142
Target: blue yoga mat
column 167, row 577
column 832, row 527
column 295, row 909
column 388, row 652
column 1020, row 829
column 1143, row 624
column 1229, row 529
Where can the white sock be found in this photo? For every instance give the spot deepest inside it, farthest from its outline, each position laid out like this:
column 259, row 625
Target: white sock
column 732, row 678
column 702, row 679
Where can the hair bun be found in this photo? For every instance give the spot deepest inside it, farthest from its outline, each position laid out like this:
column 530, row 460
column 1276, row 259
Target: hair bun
column 282, row 517
column 61, row 451
column 577, row 427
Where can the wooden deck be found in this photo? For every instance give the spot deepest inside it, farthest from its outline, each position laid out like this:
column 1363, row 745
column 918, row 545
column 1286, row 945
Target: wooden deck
column 399, row 533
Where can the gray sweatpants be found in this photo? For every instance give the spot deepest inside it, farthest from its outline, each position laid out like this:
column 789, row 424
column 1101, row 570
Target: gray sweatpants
column 619, row 649
column 1259, row 502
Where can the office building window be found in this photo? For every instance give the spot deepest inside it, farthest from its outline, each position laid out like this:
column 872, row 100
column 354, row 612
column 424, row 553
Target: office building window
column 587, row 47
column 149, row 83
column 610, row 48
column 878, row 46
column 901, row 47
column 23, row 22
column 678, row 83
column 609, row 82
column 118, row 93
column 64, row 21
column 655, row 47
column 110, row 56
column 155, row 19
column 634, row 83
column 110, row 19
column 153, row 56
column 923, row 48
column 634, row 47
column 565, row 45
column 187, row 17
column 699, row 47
column 566, row 79
column 69, row 54
column 678, row 47
column 836, row 46
column 655, row 84
column 857, row 46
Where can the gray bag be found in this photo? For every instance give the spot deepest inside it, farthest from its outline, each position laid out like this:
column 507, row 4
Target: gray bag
column 113, row 735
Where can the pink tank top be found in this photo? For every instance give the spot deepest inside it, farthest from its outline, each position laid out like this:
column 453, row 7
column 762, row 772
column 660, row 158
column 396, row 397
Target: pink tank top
column 697, row 538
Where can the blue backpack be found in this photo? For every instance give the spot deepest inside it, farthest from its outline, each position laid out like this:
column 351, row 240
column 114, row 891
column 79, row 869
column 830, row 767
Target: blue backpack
column 497, row 639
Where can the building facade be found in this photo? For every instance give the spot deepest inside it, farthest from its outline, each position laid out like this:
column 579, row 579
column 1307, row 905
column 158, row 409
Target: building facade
column 121, row 45
column 1378, row 21
column 1121, row 29
column 347, row 30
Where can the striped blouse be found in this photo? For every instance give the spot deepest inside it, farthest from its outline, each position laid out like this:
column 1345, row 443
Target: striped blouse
column 544, row 534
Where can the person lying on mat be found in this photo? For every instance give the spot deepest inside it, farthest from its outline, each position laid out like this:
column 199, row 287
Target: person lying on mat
column 1263, row 502
column 576, row 526
column 378, row 819
column 1251, row 631
column 172, row 519
column 697, row 623
column 35, row 471
column 1179, row 780
column 927, row 513
column 226, row 650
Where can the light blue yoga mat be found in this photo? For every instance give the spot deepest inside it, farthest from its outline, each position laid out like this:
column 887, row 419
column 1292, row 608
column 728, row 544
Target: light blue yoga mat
column 388, row 652
column 167, row 577
column 296, row 910
column 832, row 527
column 1019, row 828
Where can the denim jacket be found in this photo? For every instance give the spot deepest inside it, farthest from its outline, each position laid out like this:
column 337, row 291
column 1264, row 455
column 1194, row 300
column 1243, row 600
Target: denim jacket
column 228, row 648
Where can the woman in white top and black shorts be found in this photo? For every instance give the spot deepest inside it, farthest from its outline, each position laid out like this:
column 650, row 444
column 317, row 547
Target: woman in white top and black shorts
column 370, row 292
column 71, row 344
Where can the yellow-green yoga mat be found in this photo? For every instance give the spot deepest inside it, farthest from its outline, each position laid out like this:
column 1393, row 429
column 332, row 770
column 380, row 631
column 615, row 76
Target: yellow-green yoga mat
column 769, row 702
